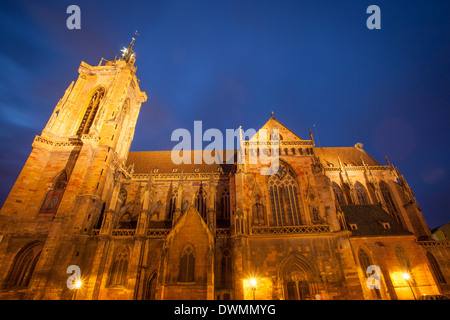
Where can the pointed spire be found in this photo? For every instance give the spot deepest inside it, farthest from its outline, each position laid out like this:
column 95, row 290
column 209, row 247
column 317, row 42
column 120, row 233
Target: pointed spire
column 211, row 177
column 150, row 181
column 387, row 161
column 340, row 163
column 128, row 53
column 311, row 136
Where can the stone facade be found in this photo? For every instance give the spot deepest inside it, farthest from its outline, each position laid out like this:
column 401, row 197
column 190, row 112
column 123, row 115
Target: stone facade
column 140, row 227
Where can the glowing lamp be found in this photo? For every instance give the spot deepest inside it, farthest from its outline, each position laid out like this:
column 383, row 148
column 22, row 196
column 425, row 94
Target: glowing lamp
column 78, row 284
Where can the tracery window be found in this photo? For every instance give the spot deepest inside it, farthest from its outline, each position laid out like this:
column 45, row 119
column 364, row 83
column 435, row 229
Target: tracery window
column 172, row 205
column 23, row 266
column 283, row 198
column 389, row 201
column 91, row 111
column 187, row 264
column 361, row 194
column 365, row 262
column 225, row 204
column 436, row 269
column 338, row 194
column 403, row 260
column 119, row 269
column 54, row 195
column 200, row 203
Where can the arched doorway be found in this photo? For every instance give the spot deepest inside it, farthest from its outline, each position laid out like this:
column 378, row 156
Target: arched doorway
column 300, row 280
column 150, row 287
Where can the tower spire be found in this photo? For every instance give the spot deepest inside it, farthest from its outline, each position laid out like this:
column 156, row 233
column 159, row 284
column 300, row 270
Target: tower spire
column 128, row 53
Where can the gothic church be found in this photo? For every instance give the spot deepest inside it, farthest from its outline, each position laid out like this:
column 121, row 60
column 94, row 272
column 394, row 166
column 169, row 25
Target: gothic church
column 140, row 227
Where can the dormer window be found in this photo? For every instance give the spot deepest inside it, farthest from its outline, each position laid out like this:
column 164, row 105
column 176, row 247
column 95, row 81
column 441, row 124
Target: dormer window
column 353, row 226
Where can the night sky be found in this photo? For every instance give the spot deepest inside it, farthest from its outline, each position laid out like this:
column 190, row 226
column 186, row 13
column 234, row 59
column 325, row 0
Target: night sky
column 231, row 63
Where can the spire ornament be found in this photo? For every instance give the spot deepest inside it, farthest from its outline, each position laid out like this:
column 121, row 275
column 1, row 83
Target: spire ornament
column 128, row 53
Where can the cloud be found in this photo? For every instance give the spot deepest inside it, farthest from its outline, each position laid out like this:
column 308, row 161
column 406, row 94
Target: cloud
column 431, row 175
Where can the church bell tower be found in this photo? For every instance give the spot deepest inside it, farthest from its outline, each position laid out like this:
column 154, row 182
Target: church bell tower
column 67, row 182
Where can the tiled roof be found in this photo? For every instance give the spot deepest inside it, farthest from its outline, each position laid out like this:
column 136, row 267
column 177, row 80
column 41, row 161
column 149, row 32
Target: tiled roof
column 147, row 161
column 347, row 155
column 368, row 220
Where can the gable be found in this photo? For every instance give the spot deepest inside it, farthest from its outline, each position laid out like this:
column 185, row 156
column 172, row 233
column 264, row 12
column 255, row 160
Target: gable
column 285, row 133
column 191, row 228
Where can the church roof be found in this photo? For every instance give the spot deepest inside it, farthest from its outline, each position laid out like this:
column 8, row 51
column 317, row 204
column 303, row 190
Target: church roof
column 369, row 221
column 147, row 161
column 348, row 155
column 286, row 133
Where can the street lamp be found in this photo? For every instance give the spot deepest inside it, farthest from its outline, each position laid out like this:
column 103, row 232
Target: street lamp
column 77, row 286
column 407, row 277
column 253, row 284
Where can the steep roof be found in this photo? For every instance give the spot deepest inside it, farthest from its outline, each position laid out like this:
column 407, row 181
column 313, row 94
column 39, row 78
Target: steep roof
column 286, row 133
column 369, row 218
column 147, row 161
column 347, row 155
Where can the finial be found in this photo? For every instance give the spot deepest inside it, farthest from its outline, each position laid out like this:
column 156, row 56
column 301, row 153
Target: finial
column 387, row 160
column 271, row 115
column 128, row 53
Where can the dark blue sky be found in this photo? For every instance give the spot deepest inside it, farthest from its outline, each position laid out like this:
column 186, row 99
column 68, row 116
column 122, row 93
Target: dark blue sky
column 230, row 63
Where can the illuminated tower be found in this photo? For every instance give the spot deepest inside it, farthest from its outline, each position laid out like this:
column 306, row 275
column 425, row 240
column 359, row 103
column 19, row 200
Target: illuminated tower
column 70, row 175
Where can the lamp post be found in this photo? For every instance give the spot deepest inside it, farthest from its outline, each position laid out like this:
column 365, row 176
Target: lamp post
column 407, row 277
column 253, row 284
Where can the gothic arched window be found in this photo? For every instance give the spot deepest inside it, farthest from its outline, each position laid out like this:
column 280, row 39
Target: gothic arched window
column 403, row 260
column 436, row 269
column 365, row 262
column 187, row 264
column 225, row 204
column 54, row 195
column 283, row 198
column 23, row 266
column 150, row 288
column 91, row 111
column 200, row 203
column 119, row 268
column 172, row 205
column 361, row 193
column 338, row 194
column 389, row 201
